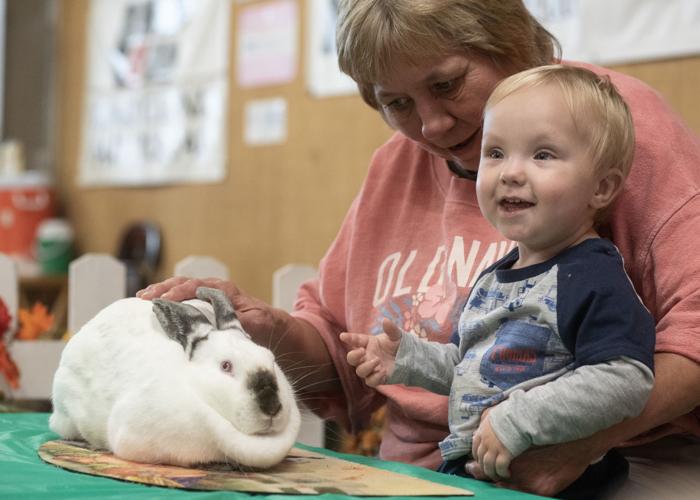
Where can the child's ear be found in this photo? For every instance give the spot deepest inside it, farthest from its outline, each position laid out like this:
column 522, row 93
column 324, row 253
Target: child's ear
column 609, row 186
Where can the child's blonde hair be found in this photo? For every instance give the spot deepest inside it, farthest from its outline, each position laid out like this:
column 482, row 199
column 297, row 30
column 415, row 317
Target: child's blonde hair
column 597, row 108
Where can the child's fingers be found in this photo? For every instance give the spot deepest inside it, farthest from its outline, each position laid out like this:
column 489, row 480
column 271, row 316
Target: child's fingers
column 377, row 377
column 356, row 356
column 393, row 332
column 354, row 340
column 476, row 443
column 487, row 462
column 502, row 466
column 366, row 368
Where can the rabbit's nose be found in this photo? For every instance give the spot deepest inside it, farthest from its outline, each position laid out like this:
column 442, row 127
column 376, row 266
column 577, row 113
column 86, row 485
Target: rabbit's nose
column 263, row 384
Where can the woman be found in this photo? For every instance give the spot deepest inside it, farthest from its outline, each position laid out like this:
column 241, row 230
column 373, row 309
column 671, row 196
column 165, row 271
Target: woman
column 414, row 240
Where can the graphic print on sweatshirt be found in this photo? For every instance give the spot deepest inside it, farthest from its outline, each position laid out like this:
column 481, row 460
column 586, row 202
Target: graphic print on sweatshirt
column 510, row 330
column 427, row 300
column 517, row 355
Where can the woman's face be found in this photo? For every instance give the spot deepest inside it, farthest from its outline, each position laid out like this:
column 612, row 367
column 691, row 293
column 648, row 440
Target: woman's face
column 438, row 103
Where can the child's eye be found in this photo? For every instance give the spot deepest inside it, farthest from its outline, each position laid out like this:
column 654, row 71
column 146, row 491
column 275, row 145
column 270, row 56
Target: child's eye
column 494, row 154
column 543, row 155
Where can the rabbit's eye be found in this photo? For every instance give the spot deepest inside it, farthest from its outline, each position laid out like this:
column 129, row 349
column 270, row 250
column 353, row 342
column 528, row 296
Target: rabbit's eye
column 226, row 366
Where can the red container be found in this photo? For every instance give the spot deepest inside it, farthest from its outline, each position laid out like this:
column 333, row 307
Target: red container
column 25, row 201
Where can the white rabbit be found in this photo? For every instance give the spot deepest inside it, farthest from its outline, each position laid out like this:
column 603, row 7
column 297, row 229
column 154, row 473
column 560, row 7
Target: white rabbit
column 156, row 382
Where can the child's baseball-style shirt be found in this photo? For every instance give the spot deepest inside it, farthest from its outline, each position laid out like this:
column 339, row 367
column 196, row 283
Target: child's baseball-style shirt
column 565, row 346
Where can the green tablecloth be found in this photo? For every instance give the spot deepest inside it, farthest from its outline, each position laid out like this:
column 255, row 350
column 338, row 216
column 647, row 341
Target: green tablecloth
column 24, row 475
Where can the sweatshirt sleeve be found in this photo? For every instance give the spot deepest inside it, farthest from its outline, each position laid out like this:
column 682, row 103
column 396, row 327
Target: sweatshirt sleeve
column 322, row 303
column 429, row 365
column 567, row 409
column 654, row 221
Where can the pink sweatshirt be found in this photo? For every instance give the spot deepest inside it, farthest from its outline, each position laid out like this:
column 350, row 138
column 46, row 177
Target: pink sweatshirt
column 414, row 241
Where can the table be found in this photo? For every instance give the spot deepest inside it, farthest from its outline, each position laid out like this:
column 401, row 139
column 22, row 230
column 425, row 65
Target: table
column 24, row 475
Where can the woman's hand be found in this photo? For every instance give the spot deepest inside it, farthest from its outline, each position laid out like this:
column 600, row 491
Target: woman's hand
column 255, row 315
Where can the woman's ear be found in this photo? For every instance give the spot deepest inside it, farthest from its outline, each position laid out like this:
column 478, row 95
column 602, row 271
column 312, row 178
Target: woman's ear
column 609, row 185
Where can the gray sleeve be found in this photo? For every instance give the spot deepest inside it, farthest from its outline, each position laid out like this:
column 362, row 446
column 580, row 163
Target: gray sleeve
column 573, row 406
column 429, row 365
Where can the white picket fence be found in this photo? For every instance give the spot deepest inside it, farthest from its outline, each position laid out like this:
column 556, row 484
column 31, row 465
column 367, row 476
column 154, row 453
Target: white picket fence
column 96, row 280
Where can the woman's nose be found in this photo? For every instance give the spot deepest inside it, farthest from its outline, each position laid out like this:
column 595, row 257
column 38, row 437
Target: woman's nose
column 435, row 120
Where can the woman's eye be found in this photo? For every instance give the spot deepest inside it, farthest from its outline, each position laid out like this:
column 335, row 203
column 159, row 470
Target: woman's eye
column 447, row 87
column 398, row 105
column 444, row 86
column 226, row 366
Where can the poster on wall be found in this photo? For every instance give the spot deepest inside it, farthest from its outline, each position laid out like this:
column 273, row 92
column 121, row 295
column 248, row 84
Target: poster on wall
column 265, row 122
column 156, row 92
column 267, row 36
column 623, row 31
column 323, row 76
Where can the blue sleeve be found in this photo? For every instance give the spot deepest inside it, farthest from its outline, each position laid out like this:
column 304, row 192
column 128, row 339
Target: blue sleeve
column 600, row 315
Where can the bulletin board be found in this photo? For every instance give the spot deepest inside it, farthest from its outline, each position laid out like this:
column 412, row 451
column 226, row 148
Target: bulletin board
column 280, row 203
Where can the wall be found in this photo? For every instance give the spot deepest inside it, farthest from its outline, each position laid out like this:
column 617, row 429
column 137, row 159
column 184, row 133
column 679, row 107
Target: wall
column 279, row 204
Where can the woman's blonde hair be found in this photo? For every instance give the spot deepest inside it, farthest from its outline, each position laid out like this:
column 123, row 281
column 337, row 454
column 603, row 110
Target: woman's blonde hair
column 372, row 34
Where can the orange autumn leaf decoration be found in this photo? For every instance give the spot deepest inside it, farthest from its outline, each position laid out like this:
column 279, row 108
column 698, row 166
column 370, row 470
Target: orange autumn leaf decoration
column 7, row 366
column 34, row 322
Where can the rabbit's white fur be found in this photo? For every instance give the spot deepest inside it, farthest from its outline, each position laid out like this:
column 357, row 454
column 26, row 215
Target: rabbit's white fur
column 125, row 386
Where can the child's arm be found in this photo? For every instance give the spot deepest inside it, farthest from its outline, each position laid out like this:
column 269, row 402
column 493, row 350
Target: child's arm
column 395, row 357
column 573, row 406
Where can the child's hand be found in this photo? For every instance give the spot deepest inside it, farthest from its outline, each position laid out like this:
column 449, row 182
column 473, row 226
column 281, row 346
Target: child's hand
column 373, row 356
column 489, row 452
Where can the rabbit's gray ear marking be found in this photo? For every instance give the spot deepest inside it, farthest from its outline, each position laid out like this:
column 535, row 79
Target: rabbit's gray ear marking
column 183, row 323
column 224, row 313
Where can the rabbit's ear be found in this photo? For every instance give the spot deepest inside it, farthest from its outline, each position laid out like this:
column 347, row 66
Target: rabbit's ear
column 183, row 323
column 224, row 313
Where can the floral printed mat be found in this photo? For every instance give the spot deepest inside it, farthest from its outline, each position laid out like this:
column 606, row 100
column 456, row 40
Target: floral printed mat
column 302, row 472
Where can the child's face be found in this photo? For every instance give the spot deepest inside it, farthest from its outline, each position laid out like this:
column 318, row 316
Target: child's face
column 536, row 179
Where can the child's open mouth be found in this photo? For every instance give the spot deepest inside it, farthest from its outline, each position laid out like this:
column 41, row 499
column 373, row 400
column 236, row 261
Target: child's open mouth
column 514, row 204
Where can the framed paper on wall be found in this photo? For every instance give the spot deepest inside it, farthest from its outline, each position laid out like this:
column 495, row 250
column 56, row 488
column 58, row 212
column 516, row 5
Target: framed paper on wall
column 323, row 76
column 621, row 31
column 156, row 92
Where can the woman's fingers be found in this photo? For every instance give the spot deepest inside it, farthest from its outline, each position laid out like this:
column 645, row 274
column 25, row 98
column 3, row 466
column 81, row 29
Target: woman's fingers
column 156, row 290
